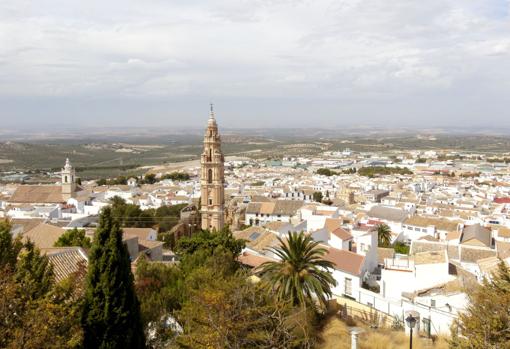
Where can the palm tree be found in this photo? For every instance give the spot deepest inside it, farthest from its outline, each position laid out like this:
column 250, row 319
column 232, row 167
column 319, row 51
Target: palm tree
column 301, row 274
column 384, row 234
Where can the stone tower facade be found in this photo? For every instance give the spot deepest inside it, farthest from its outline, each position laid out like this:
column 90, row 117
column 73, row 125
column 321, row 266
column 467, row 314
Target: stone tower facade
column 212, row 178
column 68, row 181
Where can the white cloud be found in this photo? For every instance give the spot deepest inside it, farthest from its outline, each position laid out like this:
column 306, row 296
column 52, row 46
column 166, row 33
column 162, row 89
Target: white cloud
column 253, row 48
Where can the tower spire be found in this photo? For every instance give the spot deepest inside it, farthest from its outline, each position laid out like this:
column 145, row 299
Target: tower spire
column 212, row 119
column 211, row 112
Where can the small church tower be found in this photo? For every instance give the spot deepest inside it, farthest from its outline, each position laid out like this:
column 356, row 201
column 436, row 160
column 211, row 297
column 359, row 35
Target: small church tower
column 68, row 181
column 212, row 179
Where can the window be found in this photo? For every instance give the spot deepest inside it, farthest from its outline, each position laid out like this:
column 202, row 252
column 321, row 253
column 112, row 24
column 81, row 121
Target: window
column 433, row 303
column 253, row 236
column 210, row 201
column 348, row 286
column 209, row 175
column 65, row 179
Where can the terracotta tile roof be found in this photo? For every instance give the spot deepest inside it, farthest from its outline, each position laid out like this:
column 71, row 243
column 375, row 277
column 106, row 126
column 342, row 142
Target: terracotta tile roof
column 346, row 261
column 253, row 207
column 488, row 265
column 430, row 257
column 148, row 244
column 428, row 238
column 267, row 207
column 440, row 224
column 258, row 238
column 260, row 198
column 502, row 200
column 275, row 226
column 37, row 194
column 383, row 253
column 252, row 260
column 287, row 207
column 141, row 233
column 324, row 213
column 20, row 226
column 44, row 235
column 503, row 249
column 476, row 231
column 332, row 223
column 453, row 235
column 67, row 261
column 342, row 234
column 282, row 207
column 503, row 231
column 387, row 213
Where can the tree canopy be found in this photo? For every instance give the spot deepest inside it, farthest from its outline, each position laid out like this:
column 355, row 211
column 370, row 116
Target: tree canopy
column 111, row 312
column 74, row 237
column 486, row 322
column 131, row 215
column 301, row 274
column 383, row 235
column 35, row 312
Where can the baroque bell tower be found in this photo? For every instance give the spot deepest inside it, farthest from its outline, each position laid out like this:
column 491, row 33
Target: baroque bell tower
column 212, row 178
column 68, row 181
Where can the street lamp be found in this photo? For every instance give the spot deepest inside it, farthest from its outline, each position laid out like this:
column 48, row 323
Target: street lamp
column 411, row 322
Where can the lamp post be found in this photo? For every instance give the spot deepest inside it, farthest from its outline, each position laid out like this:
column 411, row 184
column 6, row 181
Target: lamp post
column 411, row 322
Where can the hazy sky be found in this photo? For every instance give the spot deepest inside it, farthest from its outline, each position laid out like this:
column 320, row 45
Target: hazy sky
column 271, row 63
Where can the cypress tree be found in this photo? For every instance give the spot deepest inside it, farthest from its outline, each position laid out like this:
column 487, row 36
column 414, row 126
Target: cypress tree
column 9, row 248
column 111, row 313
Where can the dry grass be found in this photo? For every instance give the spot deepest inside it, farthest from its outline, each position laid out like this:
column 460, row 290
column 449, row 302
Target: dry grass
column 335, row 335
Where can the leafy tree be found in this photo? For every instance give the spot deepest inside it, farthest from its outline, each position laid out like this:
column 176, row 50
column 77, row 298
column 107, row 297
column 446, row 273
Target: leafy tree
column 208, row 241
column 74, row 237
column 177, row 176
column 401, row 247
column 231, row 312
column 317, row 196
column 301, row 274
column 384, row 235
column 130, row 215
column 121, row 180
column 150, row 178
column 34, row 311
column 381, row 170
column 168, row 216
column 486, row 322
column 160, row 290
column 111, row 312
column 326, row 172
column 51, row 321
